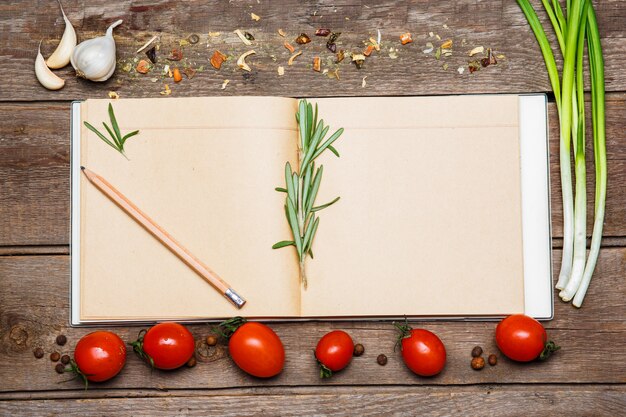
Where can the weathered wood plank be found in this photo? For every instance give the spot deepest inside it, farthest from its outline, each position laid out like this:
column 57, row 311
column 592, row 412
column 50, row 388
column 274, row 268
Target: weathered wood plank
column 492, row 23
column 34, row 310
column 34, row 173
column 597, row 400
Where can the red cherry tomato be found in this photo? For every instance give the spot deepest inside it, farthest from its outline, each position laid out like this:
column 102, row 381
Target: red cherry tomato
column 422, row 351
column 334, row 352
column 100, row 356
column 523, row 338
column 167, row 345
column 257, row 350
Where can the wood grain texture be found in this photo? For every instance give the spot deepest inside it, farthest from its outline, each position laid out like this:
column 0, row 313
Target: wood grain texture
column 491, row 23
column 573, row 401
column 34, row 173
column 35, row 310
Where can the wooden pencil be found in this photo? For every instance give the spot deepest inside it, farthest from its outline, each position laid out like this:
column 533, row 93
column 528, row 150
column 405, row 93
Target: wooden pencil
column 165, row 238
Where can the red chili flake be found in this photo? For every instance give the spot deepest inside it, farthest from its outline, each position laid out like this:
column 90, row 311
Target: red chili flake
column 142, row 67
column 217, row 59
column 322, row 32
column 302, row 39
column 484, row 62
column 176, row 74
column 317, row 64
column 332, row 47
column 406, row 38
column 473, row 66
column 289, row 47
column 369, row 50
column 176, row 55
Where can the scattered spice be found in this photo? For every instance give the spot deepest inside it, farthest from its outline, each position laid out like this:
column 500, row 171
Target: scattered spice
column 460, row 70
column 193, row 39
column 406, row 38
column 340, row 56
column 317, row 64
column 176, row 74
column 330, row 44
column 55, row 356
column 60, row 368
column 289, row 47
column 224, row 84
column 332, row 47
column 447, row 44
column 438, row 53
column 491, row 57
column 363, row 82
column 358, row 349
column 358, row 60
column 191, row 362
column 65, row 359
column 493, row 360
column 429, row 48
column 243, row 37
column 478, row 363
column 393, row 53
column 214, row 34
column 38, row 352
column 248, row 36
column 255, row 17
column 368, row 51
column 477, row 351
column 189, row 72
column 484, row 62
column 473, row 66
column 477, row 50
column 217, row 59
column 166, row 91
column 211, row 340
column 375, row 43
column 382, row 360
column 281, row 70
column 152, row 54
column 445, row 66
column 61, row 340
column 282, row 33
column 143, row 67
column 293, row 57
column 113, row 96
column 303, row 39
column 176, row 55
column 183, row 42
column 322, row 32
column 241, row 61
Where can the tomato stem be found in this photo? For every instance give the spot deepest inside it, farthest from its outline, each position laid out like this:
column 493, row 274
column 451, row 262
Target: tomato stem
column 548, row 350
column 404, row 332
column 73, row 368
column 325, row 372
column 138, row 348
column 228, row 327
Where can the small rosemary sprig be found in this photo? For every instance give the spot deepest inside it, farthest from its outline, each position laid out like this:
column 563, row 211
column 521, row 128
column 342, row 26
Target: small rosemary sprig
column 117, row 140
column 302, row 186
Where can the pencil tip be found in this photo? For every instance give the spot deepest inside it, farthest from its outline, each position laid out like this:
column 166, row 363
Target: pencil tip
column 82, row 168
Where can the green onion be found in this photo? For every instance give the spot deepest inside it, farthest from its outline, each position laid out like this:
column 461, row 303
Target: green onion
column 576, row 271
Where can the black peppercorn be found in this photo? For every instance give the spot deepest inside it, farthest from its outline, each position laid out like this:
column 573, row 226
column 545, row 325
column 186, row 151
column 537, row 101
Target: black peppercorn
column 38, row 352
column 382, row 360
column 61, row 340
column 477, row 351
column 211, row 340
column 493, row 360
column 60, row 368
column 358, row 349
column 191, row 362
column 65, row 359
column 55, row 356
column 478, row 363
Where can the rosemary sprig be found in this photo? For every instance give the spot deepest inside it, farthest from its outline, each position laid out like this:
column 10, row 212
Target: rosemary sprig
column 302, row 186
column 117, row 140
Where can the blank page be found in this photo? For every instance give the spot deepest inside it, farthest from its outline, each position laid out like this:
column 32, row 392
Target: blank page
column 429, row 221
column 205, row 170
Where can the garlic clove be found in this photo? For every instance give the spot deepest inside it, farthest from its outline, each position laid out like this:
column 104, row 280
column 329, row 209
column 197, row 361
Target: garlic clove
column 94, row 59
column 46, row 77
column 61, row 56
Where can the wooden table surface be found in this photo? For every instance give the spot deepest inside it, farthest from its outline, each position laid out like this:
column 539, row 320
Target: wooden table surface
column 588, row 375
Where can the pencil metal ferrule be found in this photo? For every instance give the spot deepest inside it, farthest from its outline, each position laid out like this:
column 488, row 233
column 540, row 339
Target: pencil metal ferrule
column 234, row 298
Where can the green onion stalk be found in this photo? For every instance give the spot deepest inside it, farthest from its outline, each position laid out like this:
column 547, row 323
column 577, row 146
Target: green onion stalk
column 576, row 270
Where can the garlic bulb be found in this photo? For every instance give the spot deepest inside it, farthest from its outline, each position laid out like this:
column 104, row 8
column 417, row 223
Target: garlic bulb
column 94, row 59
column 61, row 56
column 46, row 77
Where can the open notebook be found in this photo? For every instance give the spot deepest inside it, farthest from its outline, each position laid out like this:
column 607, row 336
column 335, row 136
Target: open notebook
column 444, row 209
